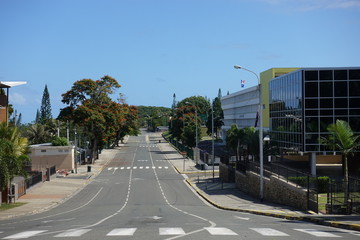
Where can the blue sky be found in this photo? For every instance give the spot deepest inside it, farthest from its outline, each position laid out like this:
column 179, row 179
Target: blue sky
column 155, row 48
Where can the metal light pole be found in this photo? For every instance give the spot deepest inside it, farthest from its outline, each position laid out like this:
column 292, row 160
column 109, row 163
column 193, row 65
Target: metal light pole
column 261, row 130
column 75, row 153
column 212, row 141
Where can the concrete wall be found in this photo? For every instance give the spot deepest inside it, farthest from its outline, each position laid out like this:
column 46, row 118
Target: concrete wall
column 43, row 157
column 275, row 190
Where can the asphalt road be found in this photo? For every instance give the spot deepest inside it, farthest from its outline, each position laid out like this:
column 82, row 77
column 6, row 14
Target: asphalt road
column 139, row 195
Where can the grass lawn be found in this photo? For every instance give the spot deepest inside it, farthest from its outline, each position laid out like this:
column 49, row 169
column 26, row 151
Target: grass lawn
column 6, row 206
column 322, row 200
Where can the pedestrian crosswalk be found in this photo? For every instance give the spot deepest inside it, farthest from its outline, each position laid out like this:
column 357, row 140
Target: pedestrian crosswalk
column 148, row 146
column 163, row 231
column 136, row 167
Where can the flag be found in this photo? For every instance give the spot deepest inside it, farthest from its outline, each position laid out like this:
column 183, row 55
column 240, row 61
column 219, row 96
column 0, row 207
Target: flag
column 242, row 83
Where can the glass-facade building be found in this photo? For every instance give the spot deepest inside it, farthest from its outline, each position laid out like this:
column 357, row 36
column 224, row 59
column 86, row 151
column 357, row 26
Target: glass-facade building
column 304, row 102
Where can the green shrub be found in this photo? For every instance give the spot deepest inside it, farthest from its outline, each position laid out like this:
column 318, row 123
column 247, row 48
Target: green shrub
column 322, row 182
column 60, row 141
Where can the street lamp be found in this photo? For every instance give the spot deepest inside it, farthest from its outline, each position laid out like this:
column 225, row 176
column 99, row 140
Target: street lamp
column 212, row 141
column 261, row 130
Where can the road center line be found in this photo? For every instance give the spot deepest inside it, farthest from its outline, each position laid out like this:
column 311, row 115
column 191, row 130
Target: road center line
column 212, row 224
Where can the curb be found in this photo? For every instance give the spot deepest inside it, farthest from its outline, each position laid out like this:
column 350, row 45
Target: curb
column 355, row 227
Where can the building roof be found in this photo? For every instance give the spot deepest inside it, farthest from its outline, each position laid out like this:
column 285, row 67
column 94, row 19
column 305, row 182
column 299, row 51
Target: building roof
column 6, row 84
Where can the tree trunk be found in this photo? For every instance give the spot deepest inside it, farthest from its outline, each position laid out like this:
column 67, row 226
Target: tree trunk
column 346, row 179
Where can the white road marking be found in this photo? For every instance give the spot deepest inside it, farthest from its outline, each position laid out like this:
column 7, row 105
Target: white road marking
column 122, row 232
column 220, row 231
column 147, row 167
column 25, row 234
column 160, row 167
column 134, row 167
column 141, row 167
column 109, row 168
column 171, row 231
column 122, row 168
column 128, row 168
column 269, row 232
column 73, row 233
column 242, row 218
column 317, row 233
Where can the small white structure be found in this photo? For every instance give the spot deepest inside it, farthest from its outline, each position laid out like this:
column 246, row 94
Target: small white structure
column 45, row 155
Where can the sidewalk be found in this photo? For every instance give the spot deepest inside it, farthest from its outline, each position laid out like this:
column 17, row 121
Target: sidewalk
column 227, row 196
column 46, row 195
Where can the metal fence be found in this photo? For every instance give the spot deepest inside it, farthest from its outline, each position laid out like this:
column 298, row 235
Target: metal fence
column 343, row 197
column 181, row 147
column 35, row 178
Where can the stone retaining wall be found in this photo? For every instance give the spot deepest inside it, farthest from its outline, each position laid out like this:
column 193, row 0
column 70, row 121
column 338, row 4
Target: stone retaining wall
column 275, row 190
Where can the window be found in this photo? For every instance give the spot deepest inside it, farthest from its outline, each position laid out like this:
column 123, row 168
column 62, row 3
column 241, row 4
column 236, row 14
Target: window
column 311, row 103
column 354, row 74
column 326, row 103
column 341, row 89
column 311, row 89
column 326, row 89
column 341, row 102
column 326, row 75
column 311, row 75
column 354, row 88
column 340, row 75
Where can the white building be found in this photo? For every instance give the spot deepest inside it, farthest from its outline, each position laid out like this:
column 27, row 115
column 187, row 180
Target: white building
column 240, row 108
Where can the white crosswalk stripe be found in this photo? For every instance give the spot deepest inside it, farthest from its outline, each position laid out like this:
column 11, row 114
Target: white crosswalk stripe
column 220, row 231
column 25, row 234
column 215, row 231
column 171, row 231
column 317, row 233
column 137, row 167
column 122, row 232
column 73, row 233
column 269, row 232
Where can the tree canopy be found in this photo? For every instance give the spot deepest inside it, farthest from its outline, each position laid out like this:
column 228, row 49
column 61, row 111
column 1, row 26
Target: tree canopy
column 91, row 107
column 13, row 158
column 45, row 109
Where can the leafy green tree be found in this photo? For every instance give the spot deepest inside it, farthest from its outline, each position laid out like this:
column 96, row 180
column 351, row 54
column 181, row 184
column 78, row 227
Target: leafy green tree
column 13, row 158
column 90, row 107
column 218, row 118
column 37, row 117
column 341, row 138
column 45, row 109
column 187, row 112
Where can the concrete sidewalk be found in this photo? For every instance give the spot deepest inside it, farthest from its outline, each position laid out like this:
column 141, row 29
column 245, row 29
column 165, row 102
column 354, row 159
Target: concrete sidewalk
column 46, row 195
column 226, row 196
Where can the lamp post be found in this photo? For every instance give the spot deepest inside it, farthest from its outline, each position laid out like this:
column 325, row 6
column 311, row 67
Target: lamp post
column 212, row 141
column 261, row 130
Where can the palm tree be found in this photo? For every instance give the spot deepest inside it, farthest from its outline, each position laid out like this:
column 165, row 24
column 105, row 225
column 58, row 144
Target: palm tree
column 13, row 149
column 233, row 137
column 342, row 139
column 38, row 133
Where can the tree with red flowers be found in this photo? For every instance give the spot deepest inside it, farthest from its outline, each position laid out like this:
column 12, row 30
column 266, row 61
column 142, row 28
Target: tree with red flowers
column 90, row 107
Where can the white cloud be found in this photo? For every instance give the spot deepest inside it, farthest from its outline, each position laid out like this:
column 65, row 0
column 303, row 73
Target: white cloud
column 310, row 5
column 16, row 98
